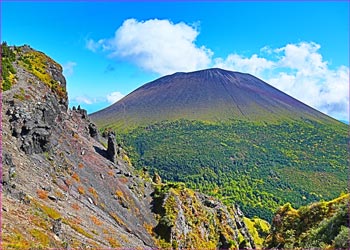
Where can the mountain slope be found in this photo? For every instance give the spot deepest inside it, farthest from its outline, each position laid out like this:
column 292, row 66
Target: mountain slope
column 207, row 95
column 322, row 225
column 233, row 136
column 60, row 191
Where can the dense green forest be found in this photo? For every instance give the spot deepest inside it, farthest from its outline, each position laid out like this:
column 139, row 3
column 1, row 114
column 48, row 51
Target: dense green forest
column 260, row 166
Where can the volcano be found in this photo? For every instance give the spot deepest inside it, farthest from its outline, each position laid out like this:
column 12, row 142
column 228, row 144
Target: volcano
column 206, row 95
column 228, row 134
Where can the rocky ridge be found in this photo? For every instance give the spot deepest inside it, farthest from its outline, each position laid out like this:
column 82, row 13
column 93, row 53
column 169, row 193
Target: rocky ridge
column 63, row 189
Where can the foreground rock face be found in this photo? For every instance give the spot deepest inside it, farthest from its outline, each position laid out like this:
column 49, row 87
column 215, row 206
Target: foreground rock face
column 192, row 219
column 62, row 191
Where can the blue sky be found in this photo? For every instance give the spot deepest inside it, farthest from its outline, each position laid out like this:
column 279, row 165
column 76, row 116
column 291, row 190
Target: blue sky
column 109, row 49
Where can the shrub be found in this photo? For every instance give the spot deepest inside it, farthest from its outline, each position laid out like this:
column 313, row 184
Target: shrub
column 42, row 194
column 75, row 206
column 81, row 190
column 76, row 177
column 95, row 220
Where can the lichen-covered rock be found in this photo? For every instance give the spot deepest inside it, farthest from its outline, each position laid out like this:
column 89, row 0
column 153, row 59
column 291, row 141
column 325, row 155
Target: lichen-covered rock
column 192, row 220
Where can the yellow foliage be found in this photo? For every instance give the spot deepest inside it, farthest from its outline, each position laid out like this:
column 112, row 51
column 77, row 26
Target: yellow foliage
column 76, row 177
column 95, row 220
column 40, row 236
column 113, row 242
column 42, row 194
column 14, row 241
column 119, row 193
column 81, row 190
column 116, row 218
column 93, row 192
column 49, row 211
column 77, row 228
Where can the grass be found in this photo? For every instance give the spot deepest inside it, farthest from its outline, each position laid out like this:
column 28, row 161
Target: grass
column 113, row 242
column 49, row 211
column 41, row 237
column 37, row 63
column 77, row 228
column 15, row 240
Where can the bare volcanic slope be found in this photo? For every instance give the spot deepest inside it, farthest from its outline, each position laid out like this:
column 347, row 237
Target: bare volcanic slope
column 209, row 95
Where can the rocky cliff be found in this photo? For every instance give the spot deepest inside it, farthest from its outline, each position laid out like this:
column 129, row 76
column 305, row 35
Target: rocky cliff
column 61, row 188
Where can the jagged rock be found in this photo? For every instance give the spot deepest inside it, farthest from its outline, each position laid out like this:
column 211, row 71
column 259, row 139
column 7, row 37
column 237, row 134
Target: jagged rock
column 156, row 179
column 57, row 226
column 93, row 131
column 37, row 141
column 41, row 124
column 9, row 166
column 111, row 147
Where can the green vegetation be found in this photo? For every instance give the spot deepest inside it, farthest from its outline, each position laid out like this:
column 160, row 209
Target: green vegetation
column 257, row 165
column 8, row 56
column 258, row 229
column 183, row 221
column 34, row 62
column 321, row 225
column 38, row 63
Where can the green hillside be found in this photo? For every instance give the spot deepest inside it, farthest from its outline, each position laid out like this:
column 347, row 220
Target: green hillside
column 322, row 225
column 258, row 165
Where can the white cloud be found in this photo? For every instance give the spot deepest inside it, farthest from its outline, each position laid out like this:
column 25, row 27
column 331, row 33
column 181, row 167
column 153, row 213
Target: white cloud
column 68, row 68
column 157, row 45
column 255, row 65
column 94, row 46
column 83, row 100
column 114, row 97
column 300, row 71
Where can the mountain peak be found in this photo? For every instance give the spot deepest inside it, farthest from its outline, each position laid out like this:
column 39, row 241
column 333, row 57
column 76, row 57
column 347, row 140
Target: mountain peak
column 209, row 95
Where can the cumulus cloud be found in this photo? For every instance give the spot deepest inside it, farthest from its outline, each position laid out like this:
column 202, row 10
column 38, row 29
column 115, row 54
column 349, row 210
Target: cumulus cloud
column 164, row 47
column 83, row 100
column 300, row 71
column 68, row 68
column 114, row 97
column 156, row 45
column 254, row 65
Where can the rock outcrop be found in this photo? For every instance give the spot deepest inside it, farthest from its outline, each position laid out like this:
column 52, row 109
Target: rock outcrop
column 60, row 191
column 189, row 218
column 111, row 147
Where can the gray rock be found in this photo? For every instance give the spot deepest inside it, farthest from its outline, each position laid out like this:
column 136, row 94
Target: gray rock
column 57, row 226
column 111, row 147
column 93, row 131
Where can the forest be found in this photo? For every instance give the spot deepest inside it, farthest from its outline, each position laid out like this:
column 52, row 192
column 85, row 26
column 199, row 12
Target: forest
column 257, row 165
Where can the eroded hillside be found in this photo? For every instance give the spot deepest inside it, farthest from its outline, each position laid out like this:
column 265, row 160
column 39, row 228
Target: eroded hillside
column 61, row 189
